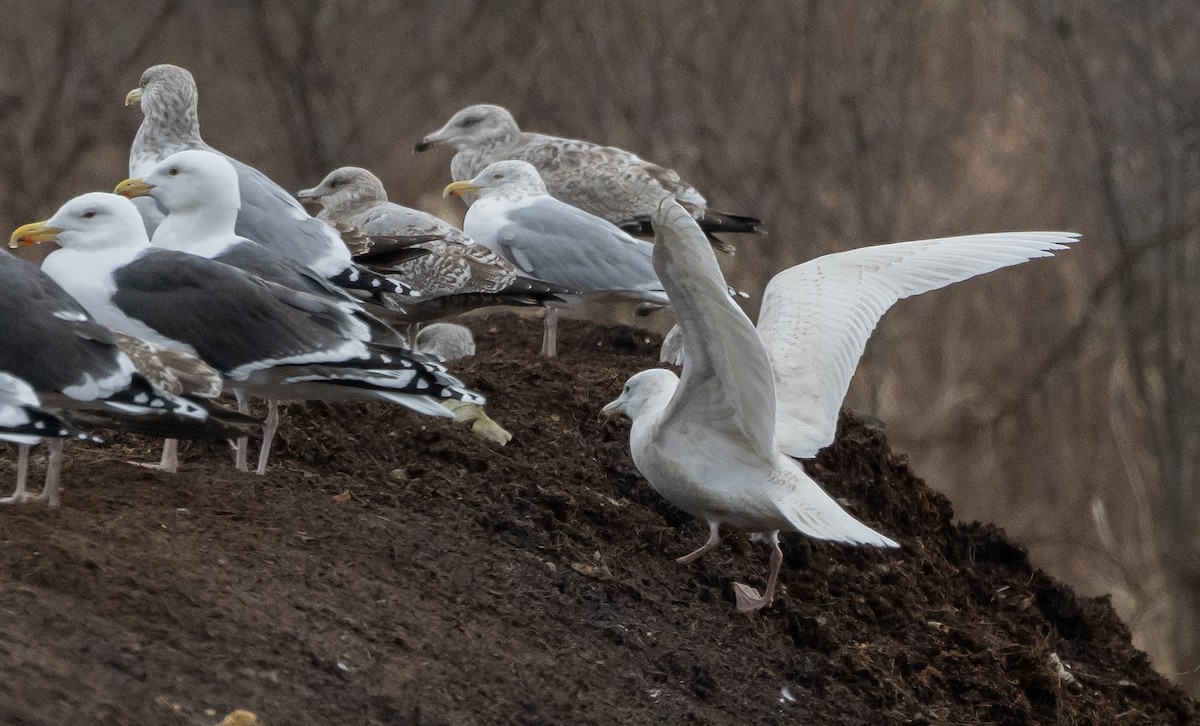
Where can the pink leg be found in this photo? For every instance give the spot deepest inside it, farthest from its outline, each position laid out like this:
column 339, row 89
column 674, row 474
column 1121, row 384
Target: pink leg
column 714, row 539
column 53, row 473
column 748, row 599
column 270, row 426
column 550, row 336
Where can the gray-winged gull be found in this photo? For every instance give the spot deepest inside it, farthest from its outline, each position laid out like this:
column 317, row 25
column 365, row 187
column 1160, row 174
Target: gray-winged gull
column 264, row 338
column 611, row 183
column 706, row 441
column 551, row 240
column 268, row 215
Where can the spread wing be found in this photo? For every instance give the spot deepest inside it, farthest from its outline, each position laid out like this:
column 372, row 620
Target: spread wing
column 816, row 317
column 726, row 379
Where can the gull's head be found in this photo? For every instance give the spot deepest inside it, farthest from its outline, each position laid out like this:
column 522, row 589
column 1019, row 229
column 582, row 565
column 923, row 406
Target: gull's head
column 187, row 181
column 479, row 125
column 645, row 391
column 509, row 179
column 344, row 189
column 165, row 92
column 93, row 221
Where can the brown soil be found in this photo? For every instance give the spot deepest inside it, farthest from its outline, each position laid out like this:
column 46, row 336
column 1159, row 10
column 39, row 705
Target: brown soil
column 394, row 569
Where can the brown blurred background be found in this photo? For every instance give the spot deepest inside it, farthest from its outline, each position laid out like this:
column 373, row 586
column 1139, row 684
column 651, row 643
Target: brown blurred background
column 1058, row 399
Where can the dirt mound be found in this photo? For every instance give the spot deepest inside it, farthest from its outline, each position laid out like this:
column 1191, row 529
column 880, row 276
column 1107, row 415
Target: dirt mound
column 394, row 569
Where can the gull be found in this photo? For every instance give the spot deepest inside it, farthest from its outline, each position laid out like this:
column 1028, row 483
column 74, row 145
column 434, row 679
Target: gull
column 611, row 183
column 719, row 442
column 168, row 99
column 264, row 338
column 550, row 240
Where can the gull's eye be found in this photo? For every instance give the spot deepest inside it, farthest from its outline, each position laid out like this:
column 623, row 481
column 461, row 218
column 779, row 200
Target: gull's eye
column 174, row 171
column 497, row 175
column 469, row 122
column 89, row 215
column 335, row 184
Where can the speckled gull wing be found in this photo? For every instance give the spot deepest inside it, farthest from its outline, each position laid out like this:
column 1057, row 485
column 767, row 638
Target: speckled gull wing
column 726, row 377
column 816, row 317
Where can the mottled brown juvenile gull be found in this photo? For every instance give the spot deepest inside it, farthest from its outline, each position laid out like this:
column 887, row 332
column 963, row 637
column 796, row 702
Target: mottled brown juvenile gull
column 355, row 198
column 707, row 442
column 268, row 215
column 551, row 240
column 611, row 183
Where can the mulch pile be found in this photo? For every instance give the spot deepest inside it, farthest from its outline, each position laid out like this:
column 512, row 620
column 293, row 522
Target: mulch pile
column 394, row 569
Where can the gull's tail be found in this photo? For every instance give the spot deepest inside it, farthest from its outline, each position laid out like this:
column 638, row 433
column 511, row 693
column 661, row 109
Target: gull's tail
column 813, row 512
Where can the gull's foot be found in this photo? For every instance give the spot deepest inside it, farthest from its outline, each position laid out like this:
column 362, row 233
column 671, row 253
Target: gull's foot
column 168, row 468
column 748, row 599
column 24, row 498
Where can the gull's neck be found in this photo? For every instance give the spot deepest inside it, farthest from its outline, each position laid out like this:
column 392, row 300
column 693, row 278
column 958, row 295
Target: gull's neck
column 195, row 229
column 347, row 208
column 162, row 134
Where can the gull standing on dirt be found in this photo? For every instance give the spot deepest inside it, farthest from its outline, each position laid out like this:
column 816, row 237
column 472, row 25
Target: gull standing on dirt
column 608, row 182
column 264, row 338
column 268, row 215
column 551, row 240
column 355, row 198
column 706, row 442
column 719, row 442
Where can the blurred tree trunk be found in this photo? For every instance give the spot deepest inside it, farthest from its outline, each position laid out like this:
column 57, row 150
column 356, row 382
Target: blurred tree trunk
column 1145, row 168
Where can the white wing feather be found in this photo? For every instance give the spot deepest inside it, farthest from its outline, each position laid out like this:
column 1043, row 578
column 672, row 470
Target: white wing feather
column 816, row 317
column 726, row 378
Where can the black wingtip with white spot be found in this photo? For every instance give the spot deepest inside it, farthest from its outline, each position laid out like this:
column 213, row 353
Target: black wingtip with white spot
column 357, row 278
column 142, row 398
column 44, row 425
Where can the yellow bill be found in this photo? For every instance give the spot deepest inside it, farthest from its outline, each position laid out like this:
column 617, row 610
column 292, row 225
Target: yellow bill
column 131, row 188
column 35, row 233
column 459, row 187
